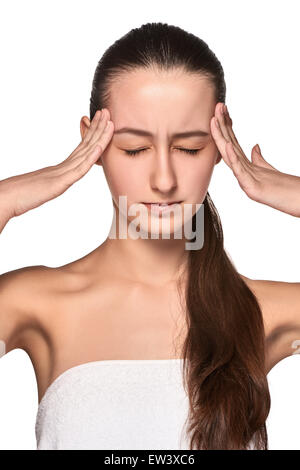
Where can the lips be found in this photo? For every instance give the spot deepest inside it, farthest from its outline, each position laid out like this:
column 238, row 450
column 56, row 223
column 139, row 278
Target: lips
column 162, row 203
column 160, row 208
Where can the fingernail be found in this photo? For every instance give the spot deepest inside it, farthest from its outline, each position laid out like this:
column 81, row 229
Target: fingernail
column 217, row 123
column 258, row 148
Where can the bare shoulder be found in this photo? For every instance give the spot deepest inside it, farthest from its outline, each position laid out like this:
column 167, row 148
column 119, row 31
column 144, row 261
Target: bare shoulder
column 280, row 300
column 21, row 298
column 280, row 306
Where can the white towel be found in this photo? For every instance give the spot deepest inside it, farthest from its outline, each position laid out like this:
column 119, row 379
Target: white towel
column 115, row 404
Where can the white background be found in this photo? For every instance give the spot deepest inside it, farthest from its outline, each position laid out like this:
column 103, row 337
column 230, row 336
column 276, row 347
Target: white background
column 49, row 52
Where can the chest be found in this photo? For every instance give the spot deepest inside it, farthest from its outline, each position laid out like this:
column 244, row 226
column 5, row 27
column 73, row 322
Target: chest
column 130, row 323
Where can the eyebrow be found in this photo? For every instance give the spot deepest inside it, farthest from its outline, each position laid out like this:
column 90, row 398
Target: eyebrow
column 131, row 130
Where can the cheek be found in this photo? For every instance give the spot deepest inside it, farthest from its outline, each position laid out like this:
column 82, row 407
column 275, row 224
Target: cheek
column 197, row 175
column 123, row 177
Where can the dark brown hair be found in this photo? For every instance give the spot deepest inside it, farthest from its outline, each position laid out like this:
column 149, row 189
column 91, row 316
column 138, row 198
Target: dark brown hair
column 224, row 350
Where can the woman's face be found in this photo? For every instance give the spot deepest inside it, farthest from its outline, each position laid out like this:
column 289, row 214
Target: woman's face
column 161, row 104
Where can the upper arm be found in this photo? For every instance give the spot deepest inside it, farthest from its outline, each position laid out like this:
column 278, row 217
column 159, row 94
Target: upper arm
column 20, row 291
column 288, row 314
column 280, row 305
column 281, row 302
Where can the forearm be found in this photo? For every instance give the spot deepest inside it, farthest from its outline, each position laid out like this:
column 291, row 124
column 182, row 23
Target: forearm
column 280, row 191
column 297, row 197
column 291, row 195
column 3, row 221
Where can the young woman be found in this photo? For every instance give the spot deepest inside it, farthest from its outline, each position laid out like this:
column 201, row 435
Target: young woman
column 143, row 343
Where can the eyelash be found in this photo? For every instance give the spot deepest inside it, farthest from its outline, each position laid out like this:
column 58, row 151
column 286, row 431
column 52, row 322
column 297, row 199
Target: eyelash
column 189, row 151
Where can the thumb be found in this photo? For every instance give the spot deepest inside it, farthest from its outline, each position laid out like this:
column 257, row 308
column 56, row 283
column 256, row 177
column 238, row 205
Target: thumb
column 258, row 159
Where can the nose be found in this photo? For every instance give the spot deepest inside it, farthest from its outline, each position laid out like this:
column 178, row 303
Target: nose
column 163, row 176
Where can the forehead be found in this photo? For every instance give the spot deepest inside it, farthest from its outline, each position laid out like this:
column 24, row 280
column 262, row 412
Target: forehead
column 143, row 96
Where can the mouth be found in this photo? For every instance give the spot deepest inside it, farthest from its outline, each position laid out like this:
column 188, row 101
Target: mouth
column 161, row 206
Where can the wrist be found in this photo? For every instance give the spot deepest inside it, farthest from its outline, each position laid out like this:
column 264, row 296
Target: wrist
column 6, row 207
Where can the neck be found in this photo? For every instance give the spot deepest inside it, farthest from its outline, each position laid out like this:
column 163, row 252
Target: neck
column 152, row 261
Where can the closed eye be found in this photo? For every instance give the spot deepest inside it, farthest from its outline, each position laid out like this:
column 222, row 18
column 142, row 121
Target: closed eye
column 135, row 152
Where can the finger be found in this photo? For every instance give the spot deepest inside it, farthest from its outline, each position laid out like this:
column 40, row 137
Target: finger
column 246, row 179
column 237, row 165
column 90, row 139
column 221, row 119
column 94, row 152
column 105, row 139
column 76, row 169
column 225, row 124
column 259, row 160
column 85, row 151
column 100, row 128
column 232, row 135
column 219, row 139
column 236, row 144
column 88, row 143
column 95, row 121
column 215, row 130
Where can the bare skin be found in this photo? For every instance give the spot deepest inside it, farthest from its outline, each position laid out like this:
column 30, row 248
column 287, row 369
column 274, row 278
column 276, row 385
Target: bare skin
column 78, row 318
column 120, row 301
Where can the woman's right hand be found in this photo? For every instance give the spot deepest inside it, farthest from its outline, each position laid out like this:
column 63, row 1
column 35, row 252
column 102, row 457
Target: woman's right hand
column 19, row 194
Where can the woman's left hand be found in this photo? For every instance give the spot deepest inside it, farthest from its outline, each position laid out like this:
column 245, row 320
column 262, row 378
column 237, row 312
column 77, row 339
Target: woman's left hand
column 258, row 179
